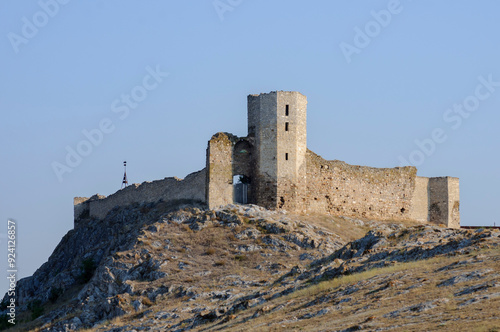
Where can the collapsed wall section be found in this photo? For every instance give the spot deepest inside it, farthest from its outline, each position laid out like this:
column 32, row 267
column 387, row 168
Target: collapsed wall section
column 168, row 189
column 81, row 207
column 337, row 188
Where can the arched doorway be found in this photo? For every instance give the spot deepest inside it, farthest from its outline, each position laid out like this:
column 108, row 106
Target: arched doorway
column 241, row 185
column 243, row 166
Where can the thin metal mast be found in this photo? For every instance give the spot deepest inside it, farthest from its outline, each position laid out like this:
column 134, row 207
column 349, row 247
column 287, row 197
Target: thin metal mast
column 125, row 181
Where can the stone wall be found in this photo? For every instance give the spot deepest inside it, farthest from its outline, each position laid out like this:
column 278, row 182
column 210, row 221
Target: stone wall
column 81, row 206
column 420, row 200
column 253, row 114
column 244, row 165
column 337, row 188
column 277, row 122
column 444, row 201
column 453, row 202
column 437, row 200
column 219, row 177
column 262, row 126
column 291, row 152
column 168, row 189
column 243, row 155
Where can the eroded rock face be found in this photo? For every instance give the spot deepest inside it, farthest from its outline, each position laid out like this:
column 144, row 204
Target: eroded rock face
column 180, row 267
column 119, row 254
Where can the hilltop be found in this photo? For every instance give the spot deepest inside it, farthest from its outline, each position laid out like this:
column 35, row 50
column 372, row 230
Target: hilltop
column 179, row 267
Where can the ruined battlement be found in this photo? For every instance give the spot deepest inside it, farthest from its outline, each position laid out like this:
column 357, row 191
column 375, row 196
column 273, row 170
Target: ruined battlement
column 280, row 173
column 337, row 188
column 168, row 189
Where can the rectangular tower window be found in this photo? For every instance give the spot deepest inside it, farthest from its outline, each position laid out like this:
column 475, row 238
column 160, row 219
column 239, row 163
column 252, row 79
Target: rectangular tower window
column 286, row 110
column 286, row 156
column 286, row 126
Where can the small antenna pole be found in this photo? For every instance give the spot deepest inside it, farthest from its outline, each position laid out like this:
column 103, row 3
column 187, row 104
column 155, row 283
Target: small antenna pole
column 125, row 181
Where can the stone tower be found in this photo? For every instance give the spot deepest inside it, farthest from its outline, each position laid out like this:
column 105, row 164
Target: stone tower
column 277, row 125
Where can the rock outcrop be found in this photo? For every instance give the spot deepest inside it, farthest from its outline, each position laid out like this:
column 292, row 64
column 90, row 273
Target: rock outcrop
column 181, row 267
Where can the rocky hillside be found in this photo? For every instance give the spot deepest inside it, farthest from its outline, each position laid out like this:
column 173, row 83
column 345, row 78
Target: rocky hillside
column 165, row 267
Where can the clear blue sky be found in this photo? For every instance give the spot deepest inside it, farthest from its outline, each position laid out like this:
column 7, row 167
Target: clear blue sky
column 367, row 105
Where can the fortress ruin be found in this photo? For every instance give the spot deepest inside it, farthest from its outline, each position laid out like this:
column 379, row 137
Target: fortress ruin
column 278, row 172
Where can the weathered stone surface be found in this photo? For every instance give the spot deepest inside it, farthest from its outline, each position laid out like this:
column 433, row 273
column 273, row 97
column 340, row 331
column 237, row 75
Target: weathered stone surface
column 192, row 188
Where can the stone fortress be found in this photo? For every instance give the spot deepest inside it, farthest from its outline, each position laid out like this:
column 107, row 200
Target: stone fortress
column 277, row 171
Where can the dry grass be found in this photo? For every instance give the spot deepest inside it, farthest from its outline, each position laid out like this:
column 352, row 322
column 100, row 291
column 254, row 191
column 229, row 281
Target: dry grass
column 331, row 285
column 372, row 294
column 146, row 301
column 241, row 258
column 346, row 230
column 117, row 322
column 186, row 228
